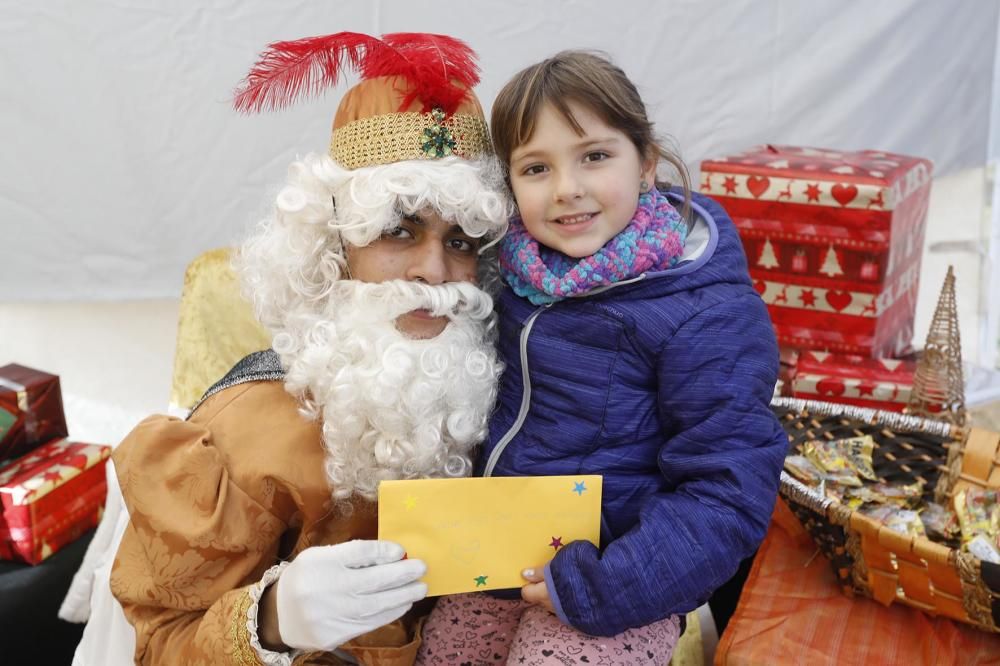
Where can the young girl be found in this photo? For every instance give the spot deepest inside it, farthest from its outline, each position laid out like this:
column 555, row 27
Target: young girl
column 637, row 348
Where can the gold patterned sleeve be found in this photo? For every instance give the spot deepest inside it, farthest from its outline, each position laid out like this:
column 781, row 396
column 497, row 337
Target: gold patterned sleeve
column 195, row 543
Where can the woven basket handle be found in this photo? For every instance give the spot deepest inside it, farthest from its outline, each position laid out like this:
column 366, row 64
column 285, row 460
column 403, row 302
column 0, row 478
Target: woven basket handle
column 893, row 420
column 800, row 493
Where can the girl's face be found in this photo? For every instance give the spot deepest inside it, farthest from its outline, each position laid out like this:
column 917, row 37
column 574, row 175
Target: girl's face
column 575, row 193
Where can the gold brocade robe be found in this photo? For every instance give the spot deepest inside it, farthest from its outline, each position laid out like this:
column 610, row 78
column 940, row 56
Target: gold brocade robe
column 213, row 503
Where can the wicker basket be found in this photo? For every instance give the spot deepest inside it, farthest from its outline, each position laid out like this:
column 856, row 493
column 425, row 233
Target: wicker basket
column 869, row 558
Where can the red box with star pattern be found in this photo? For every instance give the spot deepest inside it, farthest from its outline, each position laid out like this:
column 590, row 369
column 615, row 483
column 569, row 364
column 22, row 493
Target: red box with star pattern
column 49, row 497
column 878, row 383
column 833, row 240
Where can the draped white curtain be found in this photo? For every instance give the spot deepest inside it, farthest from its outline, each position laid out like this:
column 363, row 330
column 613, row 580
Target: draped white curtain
column 122, row 160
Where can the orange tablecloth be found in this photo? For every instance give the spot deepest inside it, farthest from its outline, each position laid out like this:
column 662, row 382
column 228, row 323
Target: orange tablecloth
column 792, row 611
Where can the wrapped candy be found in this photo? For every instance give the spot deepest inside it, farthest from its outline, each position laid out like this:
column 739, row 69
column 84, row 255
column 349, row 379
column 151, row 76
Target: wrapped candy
column 802, row 469
column 904, row 521
column 905, row 496
column 984, row 549
column 978, row 516
column 940, row 522
column 843, row 461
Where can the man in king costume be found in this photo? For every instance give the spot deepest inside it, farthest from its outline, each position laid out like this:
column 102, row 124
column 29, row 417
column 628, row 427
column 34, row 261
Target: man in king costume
column 252, row 534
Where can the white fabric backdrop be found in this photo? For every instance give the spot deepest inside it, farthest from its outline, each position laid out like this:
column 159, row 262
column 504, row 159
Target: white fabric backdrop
column 122, row 160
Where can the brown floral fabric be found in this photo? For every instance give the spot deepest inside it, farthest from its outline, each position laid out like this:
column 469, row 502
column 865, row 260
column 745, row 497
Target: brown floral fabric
column 213, row 503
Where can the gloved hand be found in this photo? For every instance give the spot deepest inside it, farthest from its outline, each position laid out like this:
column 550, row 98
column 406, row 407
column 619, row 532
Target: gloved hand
column 331, row 594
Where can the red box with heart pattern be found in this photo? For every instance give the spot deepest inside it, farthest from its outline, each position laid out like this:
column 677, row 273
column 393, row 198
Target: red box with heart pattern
column 833, row 240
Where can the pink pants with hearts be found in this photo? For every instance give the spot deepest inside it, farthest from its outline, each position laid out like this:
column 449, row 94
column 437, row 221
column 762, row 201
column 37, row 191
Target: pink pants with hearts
column 479, row 629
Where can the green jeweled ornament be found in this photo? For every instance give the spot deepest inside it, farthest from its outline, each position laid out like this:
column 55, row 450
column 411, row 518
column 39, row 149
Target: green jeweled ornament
column 440, row 141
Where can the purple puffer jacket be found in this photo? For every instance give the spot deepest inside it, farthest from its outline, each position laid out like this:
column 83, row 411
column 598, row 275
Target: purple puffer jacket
column 661, row 384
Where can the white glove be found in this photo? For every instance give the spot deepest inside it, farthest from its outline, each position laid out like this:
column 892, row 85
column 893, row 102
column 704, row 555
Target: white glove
column 331, row 594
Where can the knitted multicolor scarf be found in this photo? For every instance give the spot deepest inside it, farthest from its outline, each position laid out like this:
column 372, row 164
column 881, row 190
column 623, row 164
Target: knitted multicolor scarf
column 653, row 240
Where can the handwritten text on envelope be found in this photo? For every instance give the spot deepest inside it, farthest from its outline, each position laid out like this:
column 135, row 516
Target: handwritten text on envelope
column 480, row 533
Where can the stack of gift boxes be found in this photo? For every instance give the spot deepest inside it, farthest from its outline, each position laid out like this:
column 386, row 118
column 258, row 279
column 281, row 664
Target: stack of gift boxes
column 51, row 489
column 833, row 240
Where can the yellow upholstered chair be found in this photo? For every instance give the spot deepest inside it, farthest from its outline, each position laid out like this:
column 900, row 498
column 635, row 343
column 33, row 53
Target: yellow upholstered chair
column 215, row 328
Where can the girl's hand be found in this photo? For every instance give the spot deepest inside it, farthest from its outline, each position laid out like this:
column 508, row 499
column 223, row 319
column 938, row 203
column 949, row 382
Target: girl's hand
column 536, row 592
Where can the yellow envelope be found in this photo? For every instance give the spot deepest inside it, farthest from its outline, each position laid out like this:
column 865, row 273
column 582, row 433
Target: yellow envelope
column 479, row 534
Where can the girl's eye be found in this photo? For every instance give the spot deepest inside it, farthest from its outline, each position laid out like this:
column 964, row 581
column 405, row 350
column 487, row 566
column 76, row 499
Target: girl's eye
column 533, row 169
column 595, row 156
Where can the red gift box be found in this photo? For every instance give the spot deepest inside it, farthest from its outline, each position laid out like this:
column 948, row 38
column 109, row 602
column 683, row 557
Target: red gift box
column 833, row 241
column 879, row 383
column 49, row 497
column 31, row 410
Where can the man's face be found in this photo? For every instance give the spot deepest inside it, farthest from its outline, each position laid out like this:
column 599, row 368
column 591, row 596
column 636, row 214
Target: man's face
column 423, row 248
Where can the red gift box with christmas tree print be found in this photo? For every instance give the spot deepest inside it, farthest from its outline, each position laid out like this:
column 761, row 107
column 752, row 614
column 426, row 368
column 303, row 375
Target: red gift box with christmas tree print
column 879, row 383
column 49, row 497
column 833, row 240
column 31, row 410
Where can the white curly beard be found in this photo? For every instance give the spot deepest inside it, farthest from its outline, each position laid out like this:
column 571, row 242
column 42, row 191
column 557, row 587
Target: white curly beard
column 393, row 407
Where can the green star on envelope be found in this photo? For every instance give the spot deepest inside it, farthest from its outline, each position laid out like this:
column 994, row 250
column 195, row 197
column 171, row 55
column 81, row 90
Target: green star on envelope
column 481, row 580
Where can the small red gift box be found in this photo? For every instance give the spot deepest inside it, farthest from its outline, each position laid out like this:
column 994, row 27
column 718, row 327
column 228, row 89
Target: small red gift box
column 31, row 410
column 833, row 241
column 49, row 497
column 879, row 383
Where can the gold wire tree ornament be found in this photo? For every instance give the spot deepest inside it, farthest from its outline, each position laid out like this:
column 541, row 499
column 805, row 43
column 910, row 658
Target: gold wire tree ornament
column 938, row 385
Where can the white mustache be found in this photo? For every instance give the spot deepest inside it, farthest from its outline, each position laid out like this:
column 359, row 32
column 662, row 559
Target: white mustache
column 396, row 297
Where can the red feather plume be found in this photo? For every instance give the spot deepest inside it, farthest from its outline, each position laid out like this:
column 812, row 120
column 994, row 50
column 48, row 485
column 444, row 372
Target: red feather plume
column 306, row 67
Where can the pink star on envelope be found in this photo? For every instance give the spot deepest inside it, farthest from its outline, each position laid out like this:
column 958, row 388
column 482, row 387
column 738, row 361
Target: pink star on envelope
column 556, row 543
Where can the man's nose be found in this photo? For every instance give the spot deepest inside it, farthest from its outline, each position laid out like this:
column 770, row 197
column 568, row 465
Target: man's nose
column 428, row 263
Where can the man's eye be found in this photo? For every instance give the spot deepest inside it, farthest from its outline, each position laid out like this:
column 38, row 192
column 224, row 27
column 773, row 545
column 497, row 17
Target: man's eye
column 595, row 156
column 398, row 232
column 462, row 244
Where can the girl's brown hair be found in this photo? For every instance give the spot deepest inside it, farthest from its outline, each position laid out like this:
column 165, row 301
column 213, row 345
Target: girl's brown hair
column 587, row 79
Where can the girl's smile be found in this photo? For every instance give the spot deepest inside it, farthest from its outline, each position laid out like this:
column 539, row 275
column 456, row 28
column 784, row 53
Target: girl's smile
column 570, row 225
column 574, row 220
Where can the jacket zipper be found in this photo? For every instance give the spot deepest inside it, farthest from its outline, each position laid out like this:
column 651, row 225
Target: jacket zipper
column 522, row 413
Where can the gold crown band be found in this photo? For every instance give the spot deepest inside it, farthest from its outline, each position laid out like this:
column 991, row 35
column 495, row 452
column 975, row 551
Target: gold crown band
column 394, row 137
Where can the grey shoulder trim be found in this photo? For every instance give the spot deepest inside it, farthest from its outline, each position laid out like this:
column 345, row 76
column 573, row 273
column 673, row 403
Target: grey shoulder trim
column 262, row 366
